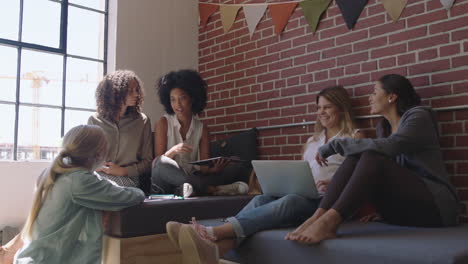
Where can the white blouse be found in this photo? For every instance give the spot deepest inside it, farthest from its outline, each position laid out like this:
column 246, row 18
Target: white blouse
column 322, row 173
column 192, row 138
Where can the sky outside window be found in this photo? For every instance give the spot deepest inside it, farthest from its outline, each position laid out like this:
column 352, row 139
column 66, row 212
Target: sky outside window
column 9, row 15
column 41, row 73
column 41, row 22
column 8, row 68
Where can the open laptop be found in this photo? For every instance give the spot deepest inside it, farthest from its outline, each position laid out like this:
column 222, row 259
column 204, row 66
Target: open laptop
column 282, row 177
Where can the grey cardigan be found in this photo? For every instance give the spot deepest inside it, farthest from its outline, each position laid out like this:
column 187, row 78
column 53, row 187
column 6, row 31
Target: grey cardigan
column 415, row 142
column 130, row 145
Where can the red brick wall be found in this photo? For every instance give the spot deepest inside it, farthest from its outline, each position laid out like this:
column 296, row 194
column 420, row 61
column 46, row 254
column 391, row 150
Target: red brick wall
column 271, row 80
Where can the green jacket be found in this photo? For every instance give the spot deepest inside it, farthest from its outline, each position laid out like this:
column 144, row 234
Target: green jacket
column 68, row 228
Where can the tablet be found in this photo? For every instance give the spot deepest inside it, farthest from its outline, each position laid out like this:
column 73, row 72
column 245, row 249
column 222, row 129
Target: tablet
column 210, row 162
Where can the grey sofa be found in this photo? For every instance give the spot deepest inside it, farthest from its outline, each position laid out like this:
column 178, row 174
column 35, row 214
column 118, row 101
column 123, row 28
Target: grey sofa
column 358, row 243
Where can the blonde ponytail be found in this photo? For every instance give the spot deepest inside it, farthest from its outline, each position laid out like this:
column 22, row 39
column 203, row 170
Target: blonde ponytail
column 84, row 147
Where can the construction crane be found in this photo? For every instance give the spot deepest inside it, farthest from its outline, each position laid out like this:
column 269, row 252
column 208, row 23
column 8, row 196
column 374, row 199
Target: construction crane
column 38, row 79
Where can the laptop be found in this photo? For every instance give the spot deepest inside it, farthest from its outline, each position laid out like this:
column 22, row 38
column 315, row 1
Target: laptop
column 279, row 178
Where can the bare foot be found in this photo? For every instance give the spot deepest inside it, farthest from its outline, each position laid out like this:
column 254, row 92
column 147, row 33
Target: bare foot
column 2, row 255
column 195, row 249
column 318, row 213
column 324, row 228
column 6, row 256
column 226, row 245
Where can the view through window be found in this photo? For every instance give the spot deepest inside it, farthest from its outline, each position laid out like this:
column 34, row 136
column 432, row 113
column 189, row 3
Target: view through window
column 52, row 56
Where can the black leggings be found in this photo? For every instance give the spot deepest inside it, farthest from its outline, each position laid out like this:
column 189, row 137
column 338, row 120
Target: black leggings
column 399, row 194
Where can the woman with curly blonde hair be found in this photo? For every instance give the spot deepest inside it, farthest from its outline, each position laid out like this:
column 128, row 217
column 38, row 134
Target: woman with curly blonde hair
column 119, row 97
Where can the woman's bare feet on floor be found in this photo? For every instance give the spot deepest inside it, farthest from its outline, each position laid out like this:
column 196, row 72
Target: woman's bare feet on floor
column 323, row 228
column 318, row 213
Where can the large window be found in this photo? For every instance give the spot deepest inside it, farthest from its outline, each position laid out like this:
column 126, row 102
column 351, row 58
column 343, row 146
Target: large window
column 52, row 56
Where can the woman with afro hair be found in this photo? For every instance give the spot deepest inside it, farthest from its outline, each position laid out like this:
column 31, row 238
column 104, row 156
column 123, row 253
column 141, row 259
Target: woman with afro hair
column 119, row 97
column 181, row 138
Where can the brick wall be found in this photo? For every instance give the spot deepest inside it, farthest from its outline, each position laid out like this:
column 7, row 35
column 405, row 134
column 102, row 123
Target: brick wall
column 271, row 80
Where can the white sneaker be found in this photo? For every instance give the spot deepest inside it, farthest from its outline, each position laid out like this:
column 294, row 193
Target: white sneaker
column 185, row 190
column 237, row 188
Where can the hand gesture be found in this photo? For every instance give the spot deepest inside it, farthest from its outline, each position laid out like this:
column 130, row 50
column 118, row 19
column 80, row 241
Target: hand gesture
column 321, row 161
column 322, row 185
column 371, row 218
column 113, row 169
column 178, row 149
column 219, row 165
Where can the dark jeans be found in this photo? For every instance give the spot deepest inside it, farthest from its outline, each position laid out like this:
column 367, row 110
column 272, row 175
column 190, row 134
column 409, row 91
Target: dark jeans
column 166, row 175
column 399, row 194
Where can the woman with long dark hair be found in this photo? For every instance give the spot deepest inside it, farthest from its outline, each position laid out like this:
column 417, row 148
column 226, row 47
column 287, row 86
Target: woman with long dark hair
column 402, row 172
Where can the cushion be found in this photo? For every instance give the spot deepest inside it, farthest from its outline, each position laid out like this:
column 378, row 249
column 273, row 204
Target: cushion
column 150, row 217
column 242, row 145
column 358, row 243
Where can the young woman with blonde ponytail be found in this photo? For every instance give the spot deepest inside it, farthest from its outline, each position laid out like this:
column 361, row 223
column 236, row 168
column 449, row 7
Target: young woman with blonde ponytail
column 64, row 224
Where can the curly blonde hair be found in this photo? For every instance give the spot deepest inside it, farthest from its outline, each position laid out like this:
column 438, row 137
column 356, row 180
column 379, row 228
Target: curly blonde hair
column 112, row 92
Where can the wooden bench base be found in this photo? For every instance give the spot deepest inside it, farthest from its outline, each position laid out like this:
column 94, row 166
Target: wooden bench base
column 142, row 250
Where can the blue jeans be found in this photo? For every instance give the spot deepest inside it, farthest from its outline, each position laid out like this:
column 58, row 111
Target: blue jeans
column 268, row 212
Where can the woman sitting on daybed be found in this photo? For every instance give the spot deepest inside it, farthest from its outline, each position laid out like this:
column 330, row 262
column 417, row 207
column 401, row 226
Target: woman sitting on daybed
column 334, row 120
column 182, row 138
column 402, row 172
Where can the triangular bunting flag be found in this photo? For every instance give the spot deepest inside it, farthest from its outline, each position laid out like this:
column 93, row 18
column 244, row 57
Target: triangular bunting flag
column 351, row 10
column 280, row 14
column 228, row 15
column 253, row 14
column 313, row 10
column 394, row 8
column 447, row 3
column 206, row 10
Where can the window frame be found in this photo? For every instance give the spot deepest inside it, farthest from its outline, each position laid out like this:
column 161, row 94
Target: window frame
column 61, row 50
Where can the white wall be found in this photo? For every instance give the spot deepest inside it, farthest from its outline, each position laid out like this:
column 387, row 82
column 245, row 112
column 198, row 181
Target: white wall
column 154, row 37
column 16, row 190
column 150, row 37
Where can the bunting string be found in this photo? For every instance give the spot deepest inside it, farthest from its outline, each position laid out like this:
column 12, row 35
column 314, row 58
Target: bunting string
column 312, row 10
